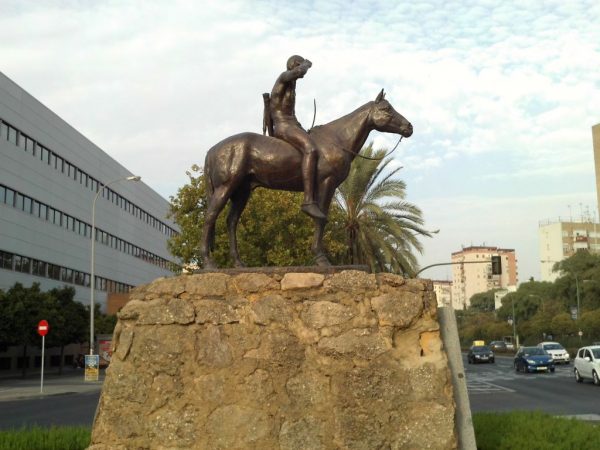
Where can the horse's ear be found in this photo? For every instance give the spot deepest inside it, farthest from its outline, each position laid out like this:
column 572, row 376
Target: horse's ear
column 380, row 96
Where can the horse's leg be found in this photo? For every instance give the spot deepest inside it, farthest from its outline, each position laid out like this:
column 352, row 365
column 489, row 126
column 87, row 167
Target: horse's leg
column 326, row 191
column 239, row 199
column 215, row 205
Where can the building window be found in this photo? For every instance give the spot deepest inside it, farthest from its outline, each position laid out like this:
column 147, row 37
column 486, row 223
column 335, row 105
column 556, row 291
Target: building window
column 27, row 204
column 66, row 275
column 45, row 155
column 6, row 260
column 54, row 271
column 38, row 268
column 10, row 197
column 12, row 134
column 29, row 145
column 3, row 130
column 22, row 264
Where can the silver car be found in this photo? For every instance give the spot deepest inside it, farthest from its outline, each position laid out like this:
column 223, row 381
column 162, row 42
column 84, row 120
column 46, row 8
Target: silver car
column 587, row 364
column 557, row 351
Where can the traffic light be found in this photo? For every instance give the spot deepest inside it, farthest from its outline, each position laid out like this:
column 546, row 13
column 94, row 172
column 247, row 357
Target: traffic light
column 496, row 265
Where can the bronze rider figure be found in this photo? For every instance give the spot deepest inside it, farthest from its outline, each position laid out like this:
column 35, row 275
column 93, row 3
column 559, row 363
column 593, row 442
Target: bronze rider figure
column 286, row 127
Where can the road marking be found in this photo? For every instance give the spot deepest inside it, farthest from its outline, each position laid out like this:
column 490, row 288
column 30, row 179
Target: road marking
column 484, row 387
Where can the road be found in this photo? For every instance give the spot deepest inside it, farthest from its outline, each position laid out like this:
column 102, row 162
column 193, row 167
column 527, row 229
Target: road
column 497, row 387
column 491, row 387
column 53, row 410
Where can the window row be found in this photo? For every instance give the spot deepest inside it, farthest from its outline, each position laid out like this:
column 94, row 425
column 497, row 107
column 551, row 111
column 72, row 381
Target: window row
column 23, row 264
column 20, row 139
column 45, row 212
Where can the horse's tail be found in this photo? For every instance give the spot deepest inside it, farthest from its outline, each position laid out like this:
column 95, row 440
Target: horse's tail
column 209, row 189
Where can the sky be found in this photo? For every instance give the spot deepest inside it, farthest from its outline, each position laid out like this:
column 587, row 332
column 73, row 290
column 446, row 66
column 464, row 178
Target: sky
column 502, row 94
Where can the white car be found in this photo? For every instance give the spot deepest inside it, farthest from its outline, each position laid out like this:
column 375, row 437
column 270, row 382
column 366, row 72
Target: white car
column 557, row 351
column 587, row 364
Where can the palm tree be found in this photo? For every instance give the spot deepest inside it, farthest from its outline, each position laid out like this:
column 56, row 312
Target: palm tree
column 382, row 228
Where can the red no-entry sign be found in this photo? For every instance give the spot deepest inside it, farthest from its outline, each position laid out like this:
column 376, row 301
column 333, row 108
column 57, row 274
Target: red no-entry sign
column 43, row 328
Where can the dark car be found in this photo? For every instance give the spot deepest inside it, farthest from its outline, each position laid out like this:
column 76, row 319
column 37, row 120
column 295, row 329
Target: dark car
column 498, row 346
column 533, row 359
column 480, row 353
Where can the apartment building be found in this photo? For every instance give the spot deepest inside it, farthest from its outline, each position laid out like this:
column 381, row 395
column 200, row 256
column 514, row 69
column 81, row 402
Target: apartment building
column 474, row 275
column 443, row 292
column 561, row 239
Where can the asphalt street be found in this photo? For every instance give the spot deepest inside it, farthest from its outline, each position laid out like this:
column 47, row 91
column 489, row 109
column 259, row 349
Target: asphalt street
column 65, row 400
column 68, row 400
column 52, row 410
column 497, row 387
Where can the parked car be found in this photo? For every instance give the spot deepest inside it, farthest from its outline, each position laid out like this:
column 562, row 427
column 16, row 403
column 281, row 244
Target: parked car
column 480, row 353
column 498, row 346
column 533, row 359
column 587, row 364
column 557, row 351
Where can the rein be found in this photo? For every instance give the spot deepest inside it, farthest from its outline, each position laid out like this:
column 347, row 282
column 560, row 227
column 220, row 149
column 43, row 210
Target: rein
column 374, row 159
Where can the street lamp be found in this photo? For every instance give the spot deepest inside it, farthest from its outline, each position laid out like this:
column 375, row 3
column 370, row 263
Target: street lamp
column 92, row 278
column 514, row 322
column 580, row 333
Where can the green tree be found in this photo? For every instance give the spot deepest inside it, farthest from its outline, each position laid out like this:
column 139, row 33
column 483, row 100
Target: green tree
column 68, row 320
column 382, row 229
column 563, row 325
column 590, row 324
column 103, row 323
column 483, row 301
column 270, row 223
column 23, row 309
column 581, row 263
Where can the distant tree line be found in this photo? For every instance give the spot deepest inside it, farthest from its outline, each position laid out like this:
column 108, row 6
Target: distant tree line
column 541, row 309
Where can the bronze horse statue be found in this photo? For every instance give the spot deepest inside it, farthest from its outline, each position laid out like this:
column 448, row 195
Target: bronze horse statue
column 240, row 163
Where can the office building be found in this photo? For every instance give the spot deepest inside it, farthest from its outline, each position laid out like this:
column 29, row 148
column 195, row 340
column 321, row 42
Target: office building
column 49, row 176
column 475, row 274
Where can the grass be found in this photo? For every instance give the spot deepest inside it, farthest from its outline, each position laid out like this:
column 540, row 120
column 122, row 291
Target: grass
column 518, row 430
column 37, row 438
column 533, row 431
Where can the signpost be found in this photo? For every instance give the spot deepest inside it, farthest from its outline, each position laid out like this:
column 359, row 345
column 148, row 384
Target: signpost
column 42, row 330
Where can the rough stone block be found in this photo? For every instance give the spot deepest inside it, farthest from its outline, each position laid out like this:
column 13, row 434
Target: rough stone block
column 301, row 281
column 268, row 361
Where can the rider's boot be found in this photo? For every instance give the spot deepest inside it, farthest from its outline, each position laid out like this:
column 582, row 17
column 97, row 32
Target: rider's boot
column 309, row 168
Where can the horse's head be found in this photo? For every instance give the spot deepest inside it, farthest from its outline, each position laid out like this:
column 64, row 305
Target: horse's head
column 386, row 119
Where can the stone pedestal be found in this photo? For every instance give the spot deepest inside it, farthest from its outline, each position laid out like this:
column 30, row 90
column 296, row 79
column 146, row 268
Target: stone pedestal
column 302, row 361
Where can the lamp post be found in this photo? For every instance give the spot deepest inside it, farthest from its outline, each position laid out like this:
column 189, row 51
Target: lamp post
column 578, row 308
column 514, row 322
column 92, row 278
